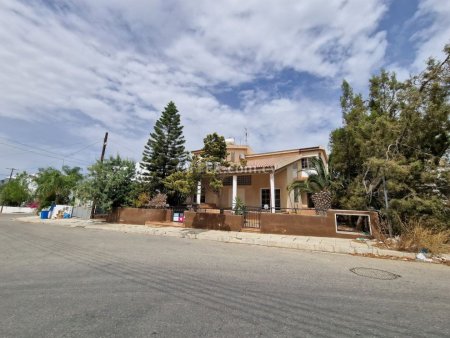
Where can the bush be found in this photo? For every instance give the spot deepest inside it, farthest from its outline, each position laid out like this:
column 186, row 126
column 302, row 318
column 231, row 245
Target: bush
column 142, row 200
column 158, row 202
column 415, row 237
column 239, row 206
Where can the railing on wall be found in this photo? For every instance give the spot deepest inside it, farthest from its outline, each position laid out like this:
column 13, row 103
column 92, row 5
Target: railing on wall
column 252, row 217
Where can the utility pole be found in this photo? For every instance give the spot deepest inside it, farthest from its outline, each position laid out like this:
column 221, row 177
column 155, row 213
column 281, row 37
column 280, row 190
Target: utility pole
column 102, row 156
column 105, row 141
column 10, row 176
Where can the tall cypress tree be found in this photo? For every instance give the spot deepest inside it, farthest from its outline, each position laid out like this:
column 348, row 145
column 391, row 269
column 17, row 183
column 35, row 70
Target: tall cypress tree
column 164, row 152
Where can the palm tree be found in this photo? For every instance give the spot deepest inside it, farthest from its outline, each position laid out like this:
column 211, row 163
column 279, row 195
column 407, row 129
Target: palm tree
column 318, row 183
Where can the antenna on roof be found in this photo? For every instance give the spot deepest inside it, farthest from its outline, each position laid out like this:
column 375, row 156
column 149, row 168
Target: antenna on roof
column 246, row 136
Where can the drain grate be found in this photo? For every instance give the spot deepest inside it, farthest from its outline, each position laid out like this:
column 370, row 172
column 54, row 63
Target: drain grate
column 374, row 273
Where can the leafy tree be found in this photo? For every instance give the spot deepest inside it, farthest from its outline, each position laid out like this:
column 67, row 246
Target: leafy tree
column 15, row 192
column 214, row 149
column 56, row 186
column 213, row 158
column 395, row 144
column 206, row 166
column 164, row 152
column 183, row 183
column 109, row 184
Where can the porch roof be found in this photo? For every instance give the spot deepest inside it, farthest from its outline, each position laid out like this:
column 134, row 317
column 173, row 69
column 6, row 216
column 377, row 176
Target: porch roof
column 261, row 165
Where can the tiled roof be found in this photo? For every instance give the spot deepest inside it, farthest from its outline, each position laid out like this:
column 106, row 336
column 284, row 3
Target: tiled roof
column 268, row 163
column 276, row 163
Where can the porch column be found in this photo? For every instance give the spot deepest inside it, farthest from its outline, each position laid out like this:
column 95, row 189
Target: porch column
column 234, row 192
column 199, row 192
column 272, row 192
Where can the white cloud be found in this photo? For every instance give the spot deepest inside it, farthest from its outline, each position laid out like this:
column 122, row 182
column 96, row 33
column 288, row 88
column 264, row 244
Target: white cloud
column 432, row 32
column 114, row 65
column 431, row 40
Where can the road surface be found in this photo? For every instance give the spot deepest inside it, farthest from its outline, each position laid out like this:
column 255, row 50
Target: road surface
column 58, row 281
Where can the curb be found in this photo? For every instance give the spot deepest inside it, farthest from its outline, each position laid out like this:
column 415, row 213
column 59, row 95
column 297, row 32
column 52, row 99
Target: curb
column 312, row 244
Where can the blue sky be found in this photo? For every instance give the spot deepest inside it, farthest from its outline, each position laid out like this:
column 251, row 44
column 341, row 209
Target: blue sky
column 71, row 70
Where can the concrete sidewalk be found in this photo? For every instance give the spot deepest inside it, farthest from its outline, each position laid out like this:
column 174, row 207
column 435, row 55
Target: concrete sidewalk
column 323, row 244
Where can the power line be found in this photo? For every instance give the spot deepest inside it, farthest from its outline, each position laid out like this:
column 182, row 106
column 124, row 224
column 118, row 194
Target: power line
column 89, row 145
column 46, row 151
column 27, row 145
column 45, row 154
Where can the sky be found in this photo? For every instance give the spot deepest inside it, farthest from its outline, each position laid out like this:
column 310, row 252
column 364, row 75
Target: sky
column 70, row 70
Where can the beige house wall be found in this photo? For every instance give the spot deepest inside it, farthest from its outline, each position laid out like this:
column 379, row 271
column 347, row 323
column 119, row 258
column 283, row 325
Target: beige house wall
column 293, row 172
column 251, row 195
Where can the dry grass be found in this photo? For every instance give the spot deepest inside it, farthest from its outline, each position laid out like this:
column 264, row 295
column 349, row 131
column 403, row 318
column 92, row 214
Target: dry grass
column 416, row 237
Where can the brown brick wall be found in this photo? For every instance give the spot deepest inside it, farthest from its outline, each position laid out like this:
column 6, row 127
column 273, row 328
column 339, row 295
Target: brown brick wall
column 213, row 221
column 305, row 225
column 139, row 216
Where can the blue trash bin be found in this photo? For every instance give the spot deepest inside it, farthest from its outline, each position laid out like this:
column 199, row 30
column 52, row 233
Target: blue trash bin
column 44, row 214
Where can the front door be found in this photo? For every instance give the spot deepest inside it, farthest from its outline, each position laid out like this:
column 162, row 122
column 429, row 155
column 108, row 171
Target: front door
column 265, row 198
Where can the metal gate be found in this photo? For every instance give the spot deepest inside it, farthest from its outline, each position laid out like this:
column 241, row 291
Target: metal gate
column 252, row 217
column 82, row 212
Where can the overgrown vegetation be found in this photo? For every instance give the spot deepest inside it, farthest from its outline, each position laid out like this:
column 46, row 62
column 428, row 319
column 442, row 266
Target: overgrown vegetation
column 415, row 237
column 392, row 153
column 57, row 186
column 109, row 184
column 16, row 191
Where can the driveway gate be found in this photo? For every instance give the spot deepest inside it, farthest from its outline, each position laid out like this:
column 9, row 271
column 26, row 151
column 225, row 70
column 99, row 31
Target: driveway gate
column 252, row 217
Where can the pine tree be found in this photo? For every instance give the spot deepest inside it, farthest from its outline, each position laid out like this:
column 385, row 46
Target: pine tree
column 392, row 153
column 164, row 152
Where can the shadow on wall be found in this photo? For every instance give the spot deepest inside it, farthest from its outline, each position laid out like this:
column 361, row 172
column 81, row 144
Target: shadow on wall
column 290, row 224
column 139, row 216
column 213, row 221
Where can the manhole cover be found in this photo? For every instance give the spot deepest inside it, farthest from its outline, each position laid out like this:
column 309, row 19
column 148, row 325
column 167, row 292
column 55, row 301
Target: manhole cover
column 374, row 273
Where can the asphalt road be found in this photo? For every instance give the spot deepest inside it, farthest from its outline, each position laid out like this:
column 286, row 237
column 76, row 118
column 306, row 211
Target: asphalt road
column 58, row 281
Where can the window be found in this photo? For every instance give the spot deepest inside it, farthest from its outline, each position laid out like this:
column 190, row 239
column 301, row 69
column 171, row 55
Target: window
column 244, row 180
column 228, row 180
column 265, row 198
column 232, row 156
column 353, row 223
column 241, row 180
column 306, row 162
